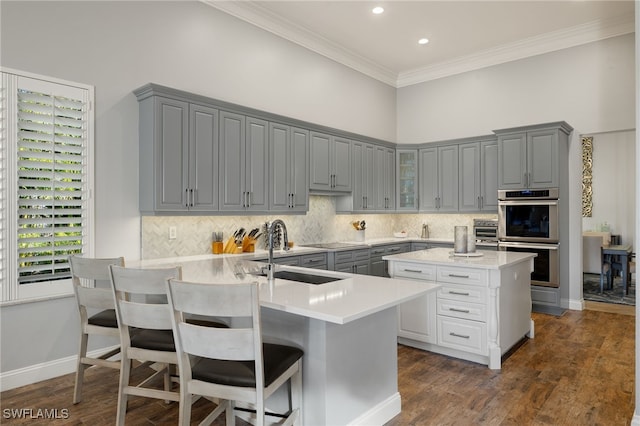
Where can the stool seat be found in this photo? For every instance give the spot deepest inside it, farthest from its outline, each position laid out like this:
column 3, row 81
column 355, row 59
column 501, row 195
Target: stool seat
column 106, row 318
column 277, row 358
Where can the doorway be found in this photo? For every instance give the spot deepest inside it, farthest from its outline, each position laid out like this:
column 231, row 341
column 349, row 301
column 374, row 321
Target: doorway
column 611, row 215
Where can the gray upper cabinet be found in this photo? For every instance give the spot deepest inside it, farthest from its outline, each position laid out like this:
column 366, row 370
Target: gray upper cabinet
column 489, row 175
column 244, row 163
column 478, row 189
column 529, row 157
column 330, row 163
column 362, row 198
column 178, row 144
column 407, row 180
column 385, row 175
column 289, row 165
column 439, row 179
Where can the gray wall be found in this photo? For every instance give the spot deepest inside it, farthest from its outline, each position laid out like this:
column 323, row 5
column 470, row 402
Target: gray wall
column 589, row 86
column 188, row 45
column 120, row 46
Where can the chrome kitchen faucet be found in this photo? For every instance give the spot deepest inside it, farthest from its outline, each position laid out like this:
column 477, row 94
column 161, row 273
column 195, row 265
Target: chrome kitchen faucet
column 271, row 230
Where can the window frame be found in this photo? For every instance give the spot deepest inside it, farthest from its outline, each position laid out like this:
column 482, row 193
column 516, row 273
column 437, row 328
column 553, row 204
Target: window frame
column 11, row 291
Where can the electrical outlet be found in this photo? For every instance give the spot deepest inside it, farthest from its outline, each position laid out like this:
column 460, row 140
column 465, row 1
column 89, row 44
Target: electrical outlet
column 173, row 233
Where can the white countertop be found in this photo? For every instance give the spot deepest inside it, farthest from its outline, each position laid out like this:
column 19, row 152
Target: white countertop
column 340, row 302
column 444, row 256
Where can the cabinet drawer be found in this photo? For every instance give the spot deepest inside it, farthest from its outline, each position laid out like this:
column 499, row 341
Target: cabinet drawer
column 361, row 254
column 288, row 260
column 317, row 261
column 414, row 270
column 459, row 275
column 399, row 248
column 464, row 310
column 377, row 251
column 463, row 293
column 465, row 335
column 351, row 255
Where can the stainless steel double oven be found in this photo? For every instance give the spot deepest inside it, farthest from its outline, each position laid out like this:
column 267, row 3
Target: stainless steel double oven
column 528, row 222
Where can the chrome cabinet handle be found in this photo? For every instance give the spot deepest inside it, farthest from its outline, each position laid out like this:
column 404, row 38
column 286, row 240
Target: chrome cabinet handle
column 413, row 270
column 458, row 293
column 459, row 335
column 464, row 311
column 458, row 276
column 186, row 195
column 193, row 197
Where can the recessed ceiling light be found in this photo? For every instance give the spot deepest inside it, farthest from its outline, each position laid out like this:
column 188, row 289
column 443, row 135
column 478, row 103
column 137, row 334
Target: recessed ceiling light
column 378, row 10
column 423, row 41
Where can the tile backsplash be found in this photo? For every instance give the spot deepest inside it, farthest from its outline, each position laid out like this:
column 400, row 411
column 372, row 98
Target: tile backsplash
column 320, row 224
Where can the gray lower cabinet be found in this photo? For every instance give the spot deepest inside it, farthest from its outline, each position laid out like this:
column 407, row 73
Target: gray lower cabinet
column 244, row 163
column 330, row 163
column 315, row 260
column 478, row 189
column 419, row 245
column 377, row 266
column 439, row 179
column 289, row 168
column 530, row 157
column 351, row 261
column 178, row 143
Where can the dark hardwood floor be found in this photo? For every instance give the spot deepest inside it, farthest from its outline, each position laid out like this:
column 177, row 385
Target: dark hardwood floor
column 579, row 370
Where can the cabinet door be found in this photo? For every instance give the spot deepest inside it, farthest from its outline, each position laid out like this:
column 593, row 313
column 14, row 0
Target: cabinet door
column 320, row 172
column 172, row 155
column 390, row 179
column 470, row 182
column 280, row 159
column 417, row 319
column 257, row 165
column 512, row 161
column 359, row 177
column 299, row 165
column 203, row 153
column 361, row 267
column 489, row 176
column 428, row 173
column 341, row 159
column 407, row 180
column 380, row 178
column 542, row 159
column 232, row 162
column 448, row 178
column 368, row 176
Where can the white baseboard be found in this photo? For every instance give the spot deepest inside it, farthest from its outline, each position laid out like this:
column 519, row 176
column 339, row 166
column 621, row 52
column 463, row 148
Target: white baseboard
column 381, row 413
column 44, row 371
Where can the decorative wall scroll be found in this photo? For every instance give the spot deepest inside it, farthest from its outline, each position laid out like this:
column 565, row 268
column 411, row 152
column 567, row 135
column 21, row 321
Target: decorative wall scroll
column 587, row 176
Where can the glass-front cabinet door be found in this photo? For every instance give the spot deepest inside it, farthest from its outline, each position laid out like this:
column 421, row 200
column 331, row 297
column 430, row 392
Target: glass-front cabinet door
column 407, row 179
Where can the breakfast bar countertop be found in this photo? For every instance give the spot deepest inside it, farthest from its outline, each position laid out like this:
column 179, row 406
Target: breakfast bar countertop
column 350, row 298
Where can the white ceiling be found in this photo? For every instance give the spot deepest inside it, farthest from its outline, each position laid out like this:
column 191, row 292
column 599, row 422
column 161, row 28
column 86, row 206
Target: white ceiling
column 464, row 35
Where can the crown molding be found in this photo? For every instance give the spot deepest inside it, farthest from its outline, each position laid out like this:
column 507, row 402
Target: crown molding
column 261, row 17
column 255, row 14
column 532, row 46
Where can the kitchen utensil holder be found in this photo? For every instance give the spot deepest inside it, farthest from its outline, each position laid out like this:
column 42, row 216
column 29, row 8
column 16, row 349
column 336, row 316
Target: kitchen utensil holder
column 360, row 235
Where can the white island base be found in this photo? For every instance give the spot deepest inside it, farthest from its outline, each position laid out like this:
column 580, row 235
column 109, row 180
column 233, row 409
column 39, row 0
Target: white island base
column 353, row 366
column 481, row 310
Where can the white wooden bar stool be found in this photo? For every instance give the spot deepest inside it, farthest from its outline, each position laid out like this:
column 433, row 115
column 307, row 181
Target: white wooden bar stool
column 87, row 274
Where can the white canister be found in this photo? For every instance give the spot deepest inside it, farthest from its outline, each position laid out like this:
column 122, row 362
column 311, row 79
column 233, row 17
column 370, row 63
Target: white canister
column 460, row 239
column 471, row 243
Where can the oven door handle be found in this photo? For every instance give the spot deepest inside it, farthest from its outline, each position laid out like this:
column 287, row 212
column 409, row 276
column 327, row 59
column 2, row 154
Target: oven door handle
column 529, row 246
column 528, row 203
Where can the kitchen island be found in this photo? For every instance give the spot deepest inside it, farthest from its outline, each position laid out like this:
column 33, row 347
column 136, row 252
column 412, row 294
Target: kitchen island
column 347, row 329
column 481, row 310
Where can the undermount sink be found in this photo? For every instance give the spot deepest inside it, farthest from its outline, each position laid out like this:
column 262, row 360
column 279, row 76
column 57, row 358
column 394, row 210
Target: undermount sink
column 302, row 277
